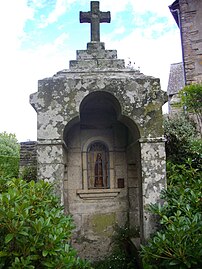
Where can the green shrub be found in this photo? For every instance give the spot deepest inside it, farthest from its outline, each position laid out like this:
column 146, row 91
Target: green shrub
column 29, row 173
column 34, row 232
column 9, row 145
column 179, row 133
column 9, row 155
column 191, row 100
column 9, row 166
column 178, row 244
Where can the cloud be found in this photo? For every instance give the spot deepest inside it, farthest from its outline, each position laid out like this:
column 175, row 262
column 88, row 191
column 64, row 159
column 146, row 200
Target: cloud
column 158, row 7
column 13, row 16
column 61, row 7
column 153, row 56
column 115, row 6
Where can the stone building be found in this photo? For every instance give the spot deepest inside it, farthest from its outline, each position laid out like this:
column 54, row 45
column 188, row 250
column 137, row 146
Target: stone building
column 175, row 84
column 188, row 16
column 100, row 140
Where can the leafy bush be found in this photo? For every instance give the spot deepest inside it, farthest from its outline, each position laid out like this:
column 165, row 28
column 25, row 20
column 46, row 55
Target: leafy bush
column 191, row 99
column 9, row 145
column 9, row 166
column 34, row 232
column 178, row 244
column 29, row 173
column 9, row 155
column 179, row 133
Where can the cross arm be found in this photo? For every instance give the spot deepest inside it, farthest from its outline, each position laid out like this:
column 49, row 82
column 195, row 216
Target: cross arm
column 105, row 17
column 85, row 17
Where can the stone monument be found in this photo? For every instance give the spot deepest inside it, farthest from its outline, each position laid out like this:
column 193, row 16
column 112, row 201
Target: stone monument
column 100, row 140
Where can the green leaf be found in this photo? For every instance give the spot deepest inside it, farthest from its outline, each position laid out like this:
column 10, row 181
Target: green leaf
column 3, row 253
column 49, row 264
column 24, row 233
column 45, row 253
column 175, row 262
column 8, row 238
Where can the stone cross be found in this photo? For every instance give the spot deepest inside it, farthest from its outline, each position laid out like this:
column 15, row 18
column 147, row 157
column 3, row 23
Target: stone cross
column 95, row 17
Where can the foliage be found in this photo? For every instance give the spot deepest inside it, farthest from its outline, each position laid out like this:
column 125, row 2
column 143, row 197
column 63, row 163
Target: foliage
column 179, row 133
column 29, row 173
column 191, row 99
column 178, row 244
column 9, row 145
column 9, row 166
column 9, row 155
column 34, row 232
column 124, row 254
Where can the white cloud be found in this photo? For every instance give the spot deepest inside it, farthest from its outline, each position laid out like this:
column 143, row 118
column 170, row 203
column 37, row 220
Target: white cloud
column 159, row 7
column 153, row 56
column 61, row 8
column 114, row 6
column 13, row 15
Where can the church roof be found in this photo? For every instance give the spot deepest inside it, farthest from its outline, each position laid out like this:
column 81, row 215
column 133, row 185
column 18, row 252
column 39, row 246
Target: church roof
column 176, row 78
column 174, row 9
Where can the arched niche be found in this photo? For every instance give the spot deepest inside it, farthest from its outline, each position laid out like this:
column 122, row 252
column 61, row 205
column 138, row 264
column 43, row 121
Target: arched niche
column 101, row 123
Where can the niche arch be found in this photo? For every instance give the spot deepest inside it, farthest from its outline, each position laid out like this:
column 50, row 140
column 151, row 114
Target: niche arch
column 101, row 120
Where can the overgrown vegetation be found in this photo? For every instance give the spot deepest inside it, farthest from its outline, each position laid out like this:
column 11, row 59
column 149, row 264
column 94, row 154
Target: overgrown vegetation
column 34, row 232
column 178, row 243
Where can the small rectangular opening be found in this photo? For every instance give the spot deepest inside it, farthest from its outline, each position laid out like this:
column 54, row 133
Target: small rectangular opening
column 120, row 182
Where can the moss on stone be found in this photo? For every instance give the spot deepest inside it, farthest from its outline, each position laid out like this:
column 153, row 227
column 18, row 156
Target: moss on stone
column 102, row 223
column 151, row 107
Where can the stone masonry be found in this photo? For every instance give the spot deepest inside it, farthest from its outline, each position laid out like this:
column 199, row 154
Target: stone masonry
column 188, row 15
column 98, row 107
column 191, row 31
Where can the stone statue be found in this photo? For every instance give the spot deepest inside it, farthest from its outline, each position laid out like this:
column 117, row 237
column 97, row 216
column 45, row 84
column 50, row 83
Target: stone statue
column 98, row 172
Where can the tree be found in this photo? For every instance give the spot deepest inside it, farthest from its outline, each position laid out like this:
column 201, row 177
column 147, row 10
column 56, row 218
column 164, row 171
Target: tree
column 9, row 155
column 191, row 100
column 9, row 145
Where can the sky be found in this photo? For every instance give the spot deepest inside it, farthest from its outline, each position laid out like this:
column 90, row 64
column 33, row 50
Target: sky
column 40, row 37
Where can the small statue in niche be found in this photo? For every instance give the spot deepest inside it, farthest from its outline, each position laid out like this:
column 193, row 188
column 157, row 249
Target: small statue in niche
column 98, row 172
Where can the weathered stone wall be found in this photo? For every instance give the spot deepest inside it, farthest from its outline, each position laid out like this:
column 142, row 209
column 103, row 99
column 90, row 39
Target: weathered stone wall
column 99, row 99
column 191, row 31
column 28, row 153
column 28, row 160
column 175, row 83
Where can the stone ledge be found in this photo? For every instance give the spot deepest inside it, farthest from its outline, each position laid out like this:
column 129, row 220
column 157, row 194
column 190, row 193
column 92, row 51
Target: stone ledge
column 152, row 139
column 96, row 54
column 101, row 64
column 98, row 194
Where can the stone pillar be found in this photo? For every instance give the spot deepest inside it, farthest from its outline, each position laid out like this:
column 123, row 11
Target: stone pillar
column 51, row 163
column 153, row 162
